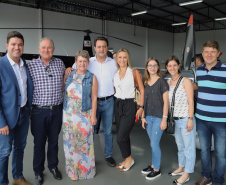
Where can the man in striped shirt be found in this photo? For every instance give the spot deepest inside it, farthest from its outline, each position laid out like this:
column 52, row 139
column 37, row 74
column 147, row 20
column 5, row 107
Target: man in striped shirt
column 211, row 113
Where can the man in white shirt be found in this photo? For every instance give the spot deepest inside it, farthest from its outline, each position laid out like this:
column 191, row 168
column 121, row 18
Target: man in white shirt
column 104, row 68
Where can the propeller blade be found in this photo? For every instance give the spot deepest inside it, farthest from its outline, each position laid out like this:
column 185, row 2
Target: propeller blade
column 189, row 48
column 86, row 31
column 119, row 39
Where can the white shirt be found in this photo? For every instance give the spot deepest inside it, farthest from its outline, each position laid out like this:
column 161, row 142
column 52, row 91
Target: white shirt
column 21, row 76
column 124, row 87
column 181, row 100
column 105, row 75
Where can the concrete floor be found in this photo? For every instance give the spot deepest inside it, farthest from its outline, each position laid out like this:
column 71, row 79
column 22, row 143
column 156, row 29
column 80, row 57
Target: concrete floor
column 106, row 175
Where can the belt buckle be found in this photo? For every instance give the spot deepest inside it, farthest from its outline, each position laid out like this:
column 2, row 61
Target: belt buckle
column 51, row 107
column 105, row 98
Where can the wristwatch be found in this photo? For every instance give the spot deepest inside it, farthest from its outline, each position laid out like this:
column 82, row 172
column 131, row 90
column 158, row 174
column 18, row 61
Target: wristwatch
column 141, row 107
column 165, row 116
column 191, row 118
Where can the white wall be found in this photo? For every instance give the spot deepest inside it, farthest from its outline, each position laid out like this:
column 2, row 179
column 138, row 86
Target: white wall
column 155, row 43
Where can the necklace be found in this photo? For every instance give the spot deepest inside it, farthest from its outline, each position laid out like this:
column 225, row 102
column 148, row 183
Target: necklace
column 175, row 79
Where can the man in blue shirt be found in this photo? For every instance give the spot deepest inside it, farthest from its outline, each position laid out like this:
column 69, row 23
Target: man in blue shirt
column 211, row 113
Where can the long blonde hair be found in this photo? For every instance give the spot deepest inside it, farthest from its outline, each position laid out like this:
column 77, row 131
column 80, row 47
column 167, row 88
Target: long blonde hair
column 128, row 57
column 147, row 74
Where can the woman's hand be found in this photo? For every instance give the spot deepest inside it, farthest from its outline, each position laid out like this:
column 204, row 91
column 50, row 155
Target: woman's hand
column 189, row 126
column 68, row 71
column 163, row 125
column 144, row 123
column 139, row 112
column 93, row 120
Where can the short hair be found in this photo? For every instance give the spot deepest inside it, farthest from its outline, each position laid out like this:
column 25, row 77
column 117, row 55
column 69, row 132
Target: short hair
column 128, row 57
column 147, row 74
column 212, row 44
column 100, row 38
column 46, row 38
column 170, row 58
column 82, row 53
column 14, row 34
column 199, row 56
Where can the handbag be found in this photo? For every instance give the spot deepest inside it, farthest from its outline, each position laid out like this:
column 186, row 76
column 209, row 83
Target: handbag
column 170, row 129
column 136, row 86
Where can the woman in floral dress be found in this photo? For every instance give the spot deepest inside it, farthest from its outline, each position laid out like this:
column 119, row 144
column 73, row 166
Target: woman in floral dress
column 79, row 115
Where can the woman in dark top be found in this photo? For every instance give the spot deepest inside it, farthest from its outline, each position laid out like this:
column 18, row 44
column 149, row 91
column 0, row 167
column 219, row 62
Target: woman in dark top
column 155, row 113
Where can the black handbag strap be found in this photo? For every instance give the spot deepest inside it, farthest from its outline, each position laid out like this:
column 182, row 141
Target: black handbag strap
column 173, row 98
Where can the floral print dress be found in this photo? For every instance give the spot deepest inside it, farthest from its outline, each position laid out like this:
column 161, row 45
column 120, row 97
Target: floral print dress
column 78, row 134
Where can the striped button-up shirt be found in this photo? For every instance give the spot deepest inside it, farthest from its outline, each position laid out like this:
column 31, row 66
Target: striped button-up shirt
column 211, row 103
column 47, row 81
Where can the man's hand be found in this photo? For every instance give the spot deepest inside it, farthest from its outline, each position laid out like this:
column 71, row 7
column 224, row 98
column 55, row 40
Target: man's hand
column 4, row 130
column 68, row 71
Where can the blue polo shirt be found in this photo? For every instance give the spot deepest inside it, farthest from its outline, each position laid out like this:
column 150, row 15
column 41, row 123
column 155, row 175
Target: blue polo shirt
column 211, row 102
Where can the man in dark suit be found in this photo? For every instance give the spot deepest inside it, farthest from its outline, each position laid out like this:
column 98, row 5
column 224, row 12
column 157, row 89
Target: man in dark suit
column 16, row 90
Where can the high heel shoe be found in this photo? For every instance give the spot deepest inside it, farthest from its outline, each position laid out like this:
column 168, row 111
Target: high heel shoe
column 177, row 183
column 126, row 169
column 119, row 166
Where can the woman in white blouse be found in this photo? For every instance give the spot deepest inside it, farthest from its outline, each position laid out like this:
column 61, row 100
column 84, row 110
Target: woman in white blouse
column 185, row 128
column 125, row 107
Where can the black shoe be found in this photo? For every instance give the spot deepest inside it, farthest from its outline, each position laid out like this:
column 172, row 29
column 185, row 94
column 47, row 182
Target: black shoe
column 96, row 132
column 39, row 179
column 147, row 170
column 56, row 173
column 111, row 161
column 153, row 175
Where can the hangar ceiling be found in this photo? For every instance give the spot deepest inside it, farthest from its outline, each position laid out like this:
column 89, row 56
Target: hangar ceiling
column 161, row 13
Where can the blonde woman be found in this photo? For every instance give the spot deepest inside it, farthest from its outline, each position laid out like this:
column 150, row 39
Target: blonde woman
column 125, row 107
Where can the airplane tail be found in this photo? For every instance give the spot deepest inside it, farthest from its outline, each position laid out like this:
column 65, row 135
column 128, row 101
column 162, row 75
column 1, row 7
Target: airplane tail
column 189, row 48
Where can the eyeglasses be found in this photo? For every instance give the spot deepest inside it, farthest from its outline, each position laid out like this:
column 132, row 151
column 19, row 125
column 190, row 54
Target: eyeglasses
column 48, row 71
column 154, row 66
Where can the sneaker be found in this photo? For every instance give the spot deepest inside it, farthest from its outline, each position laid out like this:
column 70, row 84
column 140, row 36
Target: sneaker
column 203, row 181
column 147, row 170
column 153, row 175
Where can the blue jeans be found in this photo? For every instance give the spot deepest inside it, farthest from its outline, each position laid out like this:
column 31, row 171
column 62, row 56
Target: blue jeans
column 205, row 130
column 105, row 109
column 155, row 134
column 185, row 144
column 17, row 138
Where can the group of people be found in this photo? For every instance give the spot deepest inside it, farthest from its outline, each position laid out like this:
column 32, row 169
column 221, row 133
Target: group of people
column 94, row 90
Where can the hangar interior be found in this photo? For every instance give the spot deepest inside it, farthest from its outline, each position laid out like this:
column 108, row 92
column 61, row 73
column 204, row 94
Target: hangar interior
column 152, row 30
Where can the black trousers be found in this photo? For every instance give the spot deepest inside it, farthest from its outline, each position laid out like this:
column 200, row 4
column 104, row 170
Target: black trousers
column 125, row 114
column 45, row 126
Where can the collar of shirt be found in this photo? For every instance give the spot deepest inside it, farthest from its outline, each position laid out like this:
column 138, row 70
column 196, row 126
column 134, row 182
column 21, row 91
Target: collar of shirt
column 106, row 60
column 217, row 66
column 13, row 63
column 50, row 62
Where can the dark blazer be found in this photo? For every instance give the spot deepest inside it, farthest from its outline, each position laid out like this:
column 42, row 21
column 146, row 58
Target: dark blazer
column 10, row 97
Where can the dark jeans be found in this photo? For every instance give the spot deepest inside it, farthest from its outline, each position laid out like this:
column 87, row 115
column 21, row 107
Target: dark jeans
column 45, row 126
column 17, row 138
column 205, row 130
